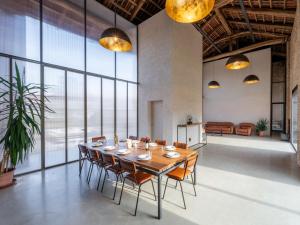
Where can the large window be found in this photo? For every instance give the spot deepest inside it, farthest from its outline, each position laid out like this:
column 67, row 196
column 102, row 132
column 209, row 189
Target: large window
column 84, row 81
column 294, row 122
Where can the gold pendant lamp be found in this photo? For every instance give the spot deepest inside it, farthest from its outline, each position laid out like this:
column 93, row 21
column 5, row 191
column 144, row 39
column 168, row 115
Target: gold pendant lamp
column 237, row 62
column 251, row 79
column 115, row 39
column 188, row 11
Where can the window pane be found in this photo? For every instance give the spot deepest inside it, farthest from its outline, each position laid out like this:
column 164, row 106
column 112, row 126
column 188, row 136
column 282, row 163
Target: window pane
column 75, row 113
column 108, row 107
column 132, row 109
column 126, row 62
column 99, row 59
column 63, row 37
column 278, row 116
column 93, row 106
column 4, row 73
column 20, row 28
column 55, row 122
column 31, row 75
column 278, row 92
column 294, row 133
column 122, row 109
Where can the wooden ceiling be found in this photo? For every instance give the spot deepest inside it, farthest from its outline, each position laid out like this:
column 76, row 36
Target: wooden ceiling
column 232, row 25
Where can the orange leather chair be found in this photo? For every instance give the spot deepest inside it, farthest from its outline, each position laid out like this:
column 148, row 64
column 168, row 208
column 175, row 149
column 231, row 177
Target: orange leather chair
column 245, row 129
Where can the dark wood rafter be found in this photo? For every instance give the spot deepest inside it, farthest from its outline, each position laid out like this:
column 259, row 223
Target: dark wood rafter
column 228, row 24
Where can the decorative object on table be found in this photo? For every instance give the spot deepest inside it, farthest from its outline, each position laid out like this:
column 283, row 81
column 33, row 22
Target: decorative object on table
column 237, row 62
column 188, row 11
column 22, row 113
column 261, row 127
column 115, row 39
column 116, row 140
column 189, row 120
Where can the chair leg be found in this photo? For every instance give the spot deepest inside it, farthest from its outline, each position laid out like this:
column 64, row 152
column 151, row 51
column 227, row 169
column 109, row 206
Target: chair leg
column 81, row 166
column 103, row 181
column 91, row 174
column 165, row 188
column 121, row 192
column 116, row 187
column 99, row 179
column 87, row 178
column 182, row 194
column 137, row 200
column 193, row 185
column 153, row 190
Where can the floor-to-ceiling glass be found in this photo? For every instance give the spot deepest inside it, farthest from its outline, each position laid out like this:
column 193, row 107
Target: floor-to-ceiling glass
column 294, row 122
column 84, row 81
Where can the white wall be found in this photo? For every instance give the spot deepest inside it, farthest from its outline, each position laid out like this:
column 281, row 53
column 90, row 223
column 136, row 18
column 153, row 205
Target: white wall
column 235, row 101
column 170, row 69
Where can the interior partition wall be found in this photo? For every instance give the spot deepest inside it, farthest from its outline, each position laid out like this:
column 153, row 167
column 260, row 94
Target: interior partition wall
column 91, row 90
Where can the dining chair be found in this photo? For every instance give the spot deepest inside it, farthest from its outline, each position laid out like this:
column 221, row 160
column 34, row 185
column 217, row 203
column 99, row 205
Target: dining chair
column 99, row 138
column 161, row 142
column 133, row 137
column 113, row 167
column 95, row 159
column 137, row 177
column 84, row 155
column 179, row 174
column 144, row 139
column 180, row 145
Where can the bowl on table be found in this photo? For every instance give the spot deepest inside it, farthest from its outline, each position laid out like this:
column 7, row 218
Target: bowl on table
column 144, row 157
column 170, row 148
column 123, row 151
column 109, row 148
column 172, row 155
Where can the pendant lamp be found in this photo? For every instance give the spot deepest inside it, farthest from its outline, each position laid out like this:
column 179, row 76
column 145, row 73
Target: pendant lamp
column 115, row 39
column 214, row 84
column 188, row 11
column 237, row 62
column 251, row 79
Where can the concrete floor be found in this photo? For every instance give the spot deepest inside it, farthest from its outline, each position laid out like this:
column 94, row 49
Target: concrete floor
column 249, row 181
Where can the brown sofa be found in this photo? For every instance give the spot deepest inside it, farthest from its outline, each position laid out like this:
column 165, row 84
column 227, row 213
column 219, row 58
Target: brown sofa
column 219, row 127
column 245, row 129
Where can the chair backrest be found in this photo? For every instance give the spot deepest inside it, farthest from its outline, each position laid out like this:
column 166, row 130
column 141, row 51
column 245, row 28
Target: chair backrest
column 83, row 150
column 99, row 138
column 108, row 158
column 133, row 137
column 180, row 145
column 144, row 139
column 127, row 166
column 161, row 142
column 94, row 155
column 191, row 162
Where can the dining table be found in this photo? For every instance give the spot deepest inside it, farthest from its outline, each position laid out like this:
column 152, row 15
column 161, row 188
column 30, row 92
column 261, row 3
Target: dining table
column 158, row 165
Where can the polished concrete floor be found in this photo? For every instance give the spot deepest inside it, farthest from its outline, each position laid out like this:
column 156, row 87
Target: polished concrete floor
column 248, row 181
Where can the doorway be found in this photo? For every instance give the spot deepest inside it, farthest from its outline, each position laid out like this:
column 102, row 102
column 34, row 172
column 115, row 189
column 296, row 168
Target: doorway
column 294, row 122
column 156, row 120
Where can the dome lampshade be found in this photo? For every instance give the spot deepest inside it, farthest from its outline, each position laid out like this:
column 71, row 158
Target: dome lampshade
column 214, row 84
column 251, row 79
column 116, row 40
column 188, row 11
column 237, row 62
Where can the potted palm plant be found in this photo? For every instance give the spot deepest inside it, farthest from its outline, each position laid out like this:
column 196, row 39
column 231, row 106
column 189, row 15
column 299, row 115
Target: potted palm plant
column 262, row 127
column 21, row 111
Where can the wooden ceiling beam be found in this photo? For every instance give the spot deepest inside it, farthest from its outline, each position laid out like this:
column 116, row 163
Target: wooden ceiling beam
column 204, row 34
column 266, row 12
column 223, row 21
column 155, row 4
column 221, row 3
column 245, row 15
column 247, row 49
column 137, row 9
column 269, row 25
column 245, row 34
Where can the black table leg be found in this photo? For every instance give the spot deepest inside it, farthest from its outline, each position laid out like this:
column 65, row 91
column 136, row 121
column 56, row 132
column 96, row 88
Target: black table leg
column 80, row 163
column 159, row 196
column 195, row 175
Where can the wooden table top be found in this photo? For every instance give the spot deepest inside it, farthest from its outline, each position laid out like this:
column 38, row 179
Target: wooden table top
column 159, row 161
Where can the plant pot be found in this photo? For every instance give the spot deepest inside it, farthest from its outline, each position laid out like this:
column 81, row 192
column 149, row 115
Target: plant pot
column 261, row 133
column 7, row 178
